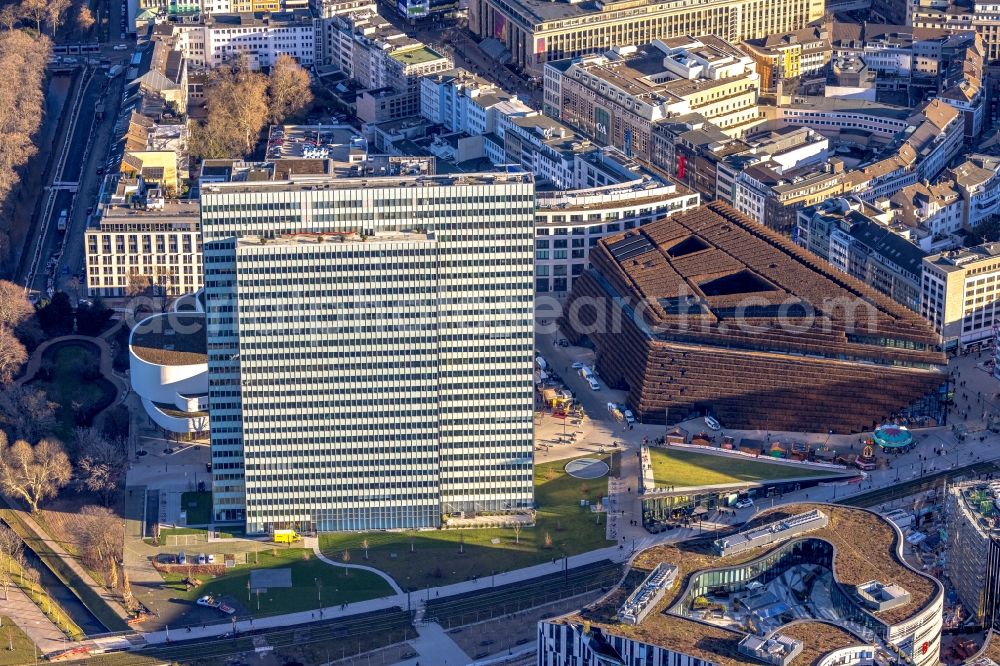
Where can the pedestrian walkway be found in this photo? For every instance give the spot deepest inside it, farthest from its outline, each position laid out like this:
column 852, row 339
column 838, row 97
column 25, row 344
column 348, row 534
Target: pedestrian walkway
column 106, row 361
column 435, row 647
column 32, row 621
column 39, row 535
column 313, row 542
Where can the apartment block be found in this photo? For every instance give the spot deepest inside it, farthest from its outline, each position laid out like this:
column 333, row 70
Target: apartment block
column 464, row 102
column 859, row 240
column 370, row 348
column 535, row 33
column 617, row 98
column 155, row 151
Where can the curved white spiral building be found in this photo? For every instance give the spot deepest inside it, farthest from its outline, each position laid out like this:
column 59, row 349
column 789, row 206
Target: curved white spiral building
column 169, row 370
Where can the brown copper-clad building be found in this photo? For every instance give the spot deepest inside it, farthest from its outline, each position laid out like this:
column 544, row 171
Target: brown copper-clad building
column 707, row 311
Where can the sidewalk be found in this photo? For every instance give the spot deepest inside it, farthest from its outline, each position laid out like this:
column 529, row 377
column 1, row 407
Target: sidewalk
column 434, row 646
column 40, row 629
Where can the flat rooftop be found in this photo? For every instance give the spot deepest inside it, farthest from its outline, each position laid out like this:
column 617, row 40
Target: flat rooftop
column 864, row 544
column 176, row 338
column 293, row 185
column 958, row 260
column 180, row 214
column 416, row 56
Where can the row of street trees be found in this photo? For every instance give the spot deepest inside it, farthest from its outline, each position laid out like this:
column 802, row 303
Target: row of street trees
column 241, row 101
column 22, row 68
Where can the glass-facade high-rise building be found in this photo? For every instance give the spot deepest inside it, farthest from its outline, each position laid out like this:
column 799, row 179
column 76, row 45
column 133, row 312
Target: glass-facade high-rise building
column 370, row 348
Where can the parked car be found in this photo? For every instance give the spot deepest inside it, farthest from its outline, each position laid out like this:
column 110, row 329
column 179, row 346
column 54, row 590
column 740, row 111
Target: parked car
column 744, row 503
column 202, row 559
column 578, row 365
column 712, row 423
column 211, row 558
column 629, row 416
column 181, row 558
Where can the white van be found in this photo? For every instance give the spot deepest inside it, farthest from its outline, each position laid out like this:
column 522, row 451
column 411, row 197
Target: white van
column 594, row 386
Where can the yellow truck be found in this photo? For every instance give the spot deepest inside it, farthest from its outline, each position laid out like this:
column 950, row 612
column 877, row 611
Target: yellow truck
column 286, row 536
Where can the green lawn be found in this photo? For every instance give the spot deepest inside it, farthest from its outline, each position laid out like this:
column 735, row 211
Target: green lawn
column 69, row 390
column 198, row 507
column 439, row 557
column 336, row 585
column 673, row 467
column 24, row 649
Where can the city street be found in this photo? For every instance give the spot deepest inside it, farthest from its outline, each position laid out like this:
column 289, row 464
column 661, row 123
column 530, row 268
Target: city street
column 73, row 184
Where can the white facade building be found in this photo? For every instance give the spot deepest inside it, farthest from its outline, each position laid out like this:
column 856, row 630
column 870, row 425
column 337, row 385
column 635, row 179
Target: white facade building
column 260, row 38
column 374, row 382
column 138, row 248
column 168, row 370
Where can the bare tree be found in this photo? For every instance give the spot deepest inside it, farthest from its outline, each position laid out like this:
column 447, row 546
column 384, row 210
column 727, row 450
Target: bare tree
column 33, row 473
column 84, row 18
column 36, row 10
column 23, row 59
column 11, row 548
column 103, row 462
column 27, row 412
column 517, row 532
column 236, row 99
column 56, row 13
column 14, row 305
column 12, row 355
column 289, row 89
column 99, row 535
column 9, row 16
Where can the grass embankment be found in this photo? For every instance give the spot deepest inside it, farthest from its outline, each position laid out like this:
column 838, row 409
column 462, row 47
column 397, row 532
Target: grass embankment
column 84, row 592
column 11, row 635
column 673, row 467
column 423, row 559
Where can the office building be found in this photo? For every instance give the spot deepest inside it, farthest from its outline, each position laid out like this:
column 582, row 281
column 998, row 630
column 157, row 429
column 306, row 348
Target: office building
column 709, row 312
column 973, row 562
column 611, row 194
column 617, row 98
column 137, row 242
column 259, row 38
column 757, row 604
column 533, row 33
column 959, row 294
column 370, row 348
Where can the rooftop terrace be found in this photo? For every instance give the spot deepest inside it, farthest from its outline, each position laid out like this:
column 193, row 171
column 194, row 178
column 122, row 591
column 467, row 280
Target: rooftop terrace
column 865, row 549
column 416, row 56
